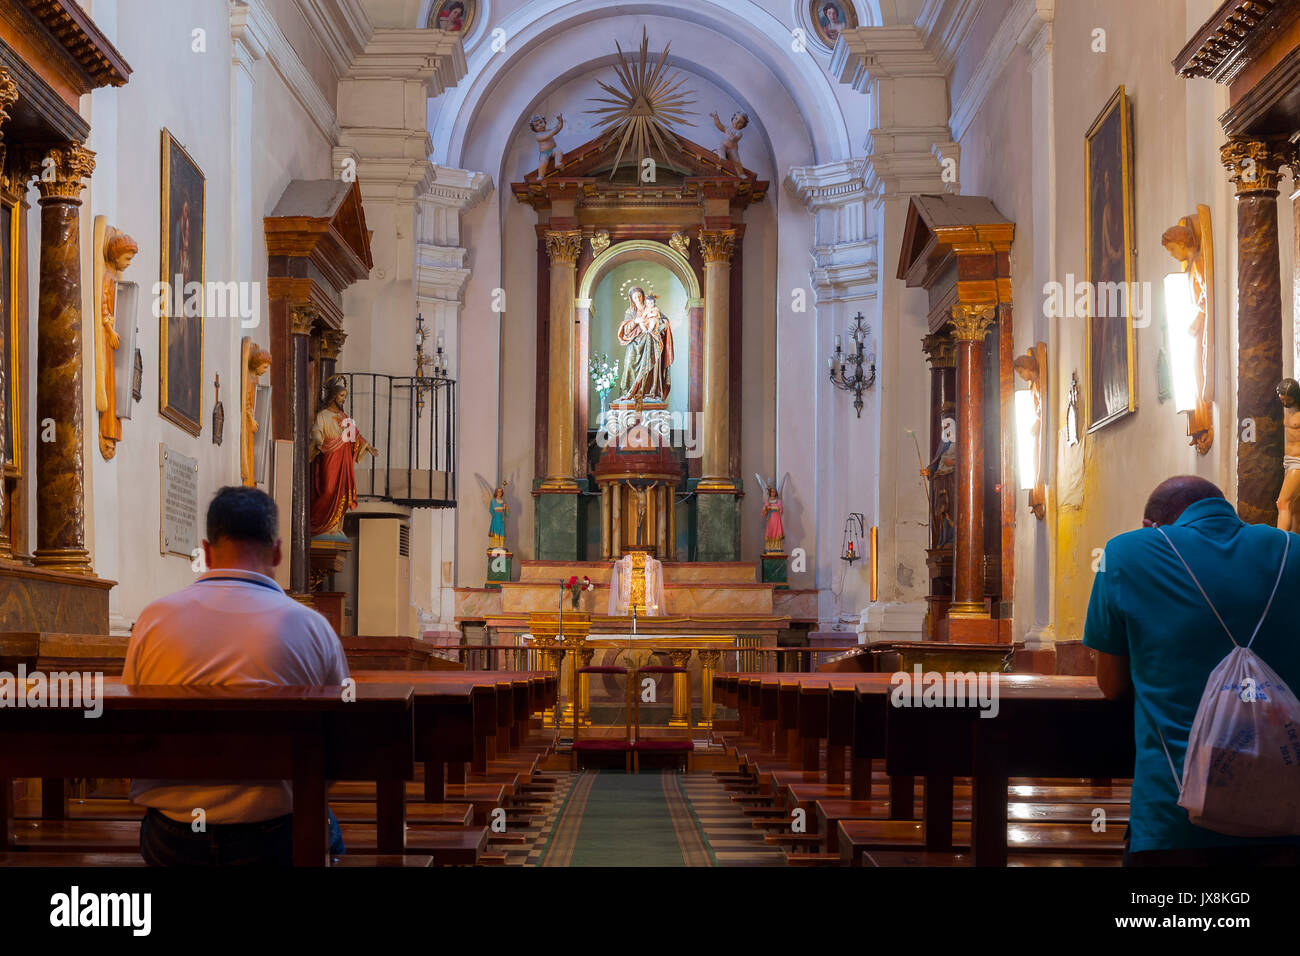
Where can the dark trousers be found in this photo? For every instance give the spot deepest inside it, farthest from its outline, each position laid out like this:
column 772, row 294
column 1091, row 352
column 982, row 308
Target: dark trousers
column 1275, row 854
column 166, row 842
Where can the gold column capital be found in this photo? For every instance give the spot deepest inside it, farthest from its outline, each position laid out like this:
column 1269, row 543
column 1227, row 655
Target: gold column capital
column 941, row 350
column 971, row 320
column 332, row 343
column 8, row 94
column 60, row 170
column 564, row 246
column 1253, row 164
column 710, row 658
column 301, row 318
column 679, row 658
column 717, row 245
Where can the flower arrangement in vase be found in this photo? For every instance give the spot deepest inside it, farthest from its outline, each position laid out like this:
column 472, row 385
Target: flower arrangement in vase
column 575, row 586
column 603, row 374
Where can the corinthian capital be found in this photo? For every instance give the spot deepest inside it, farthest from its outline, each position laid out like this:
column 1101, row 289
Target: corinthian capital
column 941, row 349
column 1253, row 164
column 60, row 170
column 8, row 94
column 565, row 246
column 331, row 343
column 971, row 320
column 301, row 318
column 717, row 245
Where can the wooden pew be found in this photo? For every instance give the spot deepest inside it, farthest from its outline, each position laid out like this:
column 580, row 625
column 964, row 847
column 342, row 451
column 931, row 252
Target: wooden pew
column 1046, row 726
column 306, row 735
column 863, row 700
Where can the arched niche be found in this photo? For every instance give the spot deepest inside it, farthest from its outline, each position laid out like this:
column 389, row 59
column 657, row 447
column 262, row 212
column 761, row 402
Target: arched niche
column 600, row 308
column 639, row 250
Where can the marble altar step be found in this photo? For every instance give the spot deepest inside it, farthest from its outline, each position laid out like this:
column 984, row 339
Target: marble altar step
column 681, row 598
column 675, row 572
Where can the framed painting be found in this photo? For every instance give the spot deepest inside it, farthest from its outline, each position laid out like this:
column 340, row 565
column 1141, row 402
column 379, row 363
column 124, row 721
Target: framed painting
column 10, row 383
column 829, row 17
column 454, row 16
column 1110, row 349
column 180, row 349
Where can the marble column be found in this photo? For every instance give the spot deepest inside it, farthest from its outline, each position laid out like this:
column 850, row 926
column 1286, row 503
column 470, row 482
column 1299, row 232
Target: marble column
column 942, row 353
column 717, row 506
column 970, row 324
column 1253, row 167
column 563, row 248
column 301, row 318
column 60, row 468
column 8, row 96
column 717, row 246
column 557, row 517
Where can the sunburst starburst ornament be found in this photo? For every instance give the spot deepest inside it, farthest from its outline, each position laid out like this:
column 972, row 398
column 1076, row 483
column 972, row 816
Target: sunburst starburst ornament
column 648, row 101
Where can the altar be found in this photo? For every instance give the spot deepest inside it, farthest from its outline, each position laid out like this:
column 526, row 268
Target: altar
column 700, row 654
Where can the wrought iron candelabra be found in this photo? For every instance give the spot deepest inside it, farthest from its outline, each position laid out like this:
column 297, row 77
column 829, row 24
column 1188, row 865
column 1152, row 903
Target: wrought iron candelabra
column 855, row 381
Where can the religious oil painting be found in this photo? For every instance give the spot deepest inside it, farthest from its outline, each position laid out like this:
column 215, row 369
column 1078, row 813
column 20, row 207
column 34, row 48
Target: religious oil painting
column 1108, row 243
column 829, row 18
column 454, row 16
column 180, row 394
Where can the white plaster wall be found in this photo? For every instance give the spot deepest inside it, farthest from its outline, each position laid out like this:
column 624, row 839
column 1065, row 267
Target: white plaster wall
column 1102, row 483
column 190, row 94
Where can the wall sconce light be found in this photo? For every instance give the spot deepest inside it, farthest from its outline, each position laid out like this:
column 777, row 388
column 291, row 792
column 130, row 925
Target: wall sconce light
column 855, row 381
column 1031, row 433
column 1189, row 314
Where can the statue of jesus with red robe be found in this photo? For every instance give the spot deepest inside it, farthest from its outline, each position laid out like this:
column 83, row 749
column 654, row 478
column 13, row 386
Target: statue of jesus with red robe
column 334, row 448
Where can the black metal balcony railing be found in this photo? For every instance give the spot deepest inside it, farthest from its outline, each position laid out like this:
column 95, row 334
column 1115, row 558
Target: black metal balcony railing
column 412, row 421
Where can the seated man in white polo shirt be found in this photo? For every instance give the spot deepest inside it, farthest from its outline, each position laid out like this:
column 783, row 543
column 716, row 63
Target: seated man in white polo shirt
column 234, row 626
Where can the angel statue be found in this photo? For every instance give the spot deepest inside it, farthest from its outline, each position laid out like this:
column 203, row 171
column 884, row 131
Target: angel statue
column 547, row 151
column 729, row 149
column 773, row 525
column 495, row 499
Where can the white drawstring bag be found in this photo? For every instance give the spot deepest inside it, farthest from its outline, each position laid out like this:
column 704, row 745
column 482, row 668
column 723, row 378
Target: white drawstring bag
column 1241, row 772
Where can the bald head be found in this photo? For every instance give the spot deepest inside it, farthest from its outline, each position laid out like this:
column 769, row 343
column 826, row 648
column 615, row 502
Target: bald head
column 1173, row 495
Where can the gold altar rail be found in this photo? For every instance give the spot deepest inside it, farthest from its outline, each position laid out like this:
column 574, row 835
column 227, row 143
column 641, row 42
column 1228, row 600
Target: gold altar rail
column 744, row 656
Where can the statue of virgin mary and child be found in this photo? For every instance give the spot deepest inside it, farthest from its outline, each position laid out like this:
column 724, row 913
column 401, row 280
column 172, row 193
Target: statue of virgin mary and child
column 648, row 338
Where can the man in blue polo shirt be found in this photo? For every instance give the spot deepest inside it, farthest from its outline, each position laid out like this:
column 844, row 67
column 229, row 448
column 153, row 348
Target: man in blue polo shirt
column 1155, row 635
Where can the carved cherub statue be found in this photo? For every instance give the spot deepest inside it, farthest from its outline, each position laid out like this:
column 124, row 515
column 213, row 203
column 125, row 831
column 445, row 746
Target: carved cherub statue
column 114, row 251
column 546, row 148
column 254, row 361
column 729, row 149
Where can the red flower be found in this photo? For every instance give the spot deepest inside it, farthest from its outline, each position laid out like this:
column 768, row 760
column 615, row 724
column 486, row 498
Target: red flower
column 572, row 581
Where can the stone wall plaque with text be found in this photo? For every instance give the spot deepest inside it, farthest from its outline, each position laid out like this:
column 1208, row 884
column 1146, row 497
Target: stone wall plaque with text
column 180, row 502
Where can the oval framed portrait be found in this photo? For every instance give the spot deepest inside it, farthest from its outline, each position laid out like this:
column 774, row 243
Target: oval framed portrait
column 828, row 18
column 454, row 16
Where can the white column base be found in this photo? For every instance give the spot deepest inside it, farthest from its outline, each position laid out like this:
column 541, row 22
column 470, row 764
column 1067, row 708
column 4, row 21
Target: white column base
column 1040, row 637
column 892, row 621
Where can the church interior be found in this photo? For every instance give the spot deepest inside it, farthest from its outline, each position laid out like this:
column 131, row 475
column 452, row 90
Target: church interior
column 644, row 390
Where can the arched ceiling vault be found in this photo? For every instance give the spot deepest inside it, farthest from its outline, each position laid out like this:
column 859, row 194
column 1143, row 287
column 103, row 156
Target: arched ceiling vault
column 744, row 52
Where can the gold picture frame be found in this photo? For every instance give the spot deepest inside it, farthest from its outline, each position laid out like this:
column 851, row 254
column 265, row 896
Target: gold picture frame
column 11, row 233
column 180, row 349
column 1110, row 353
column 442, row 16
column 825, row 29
